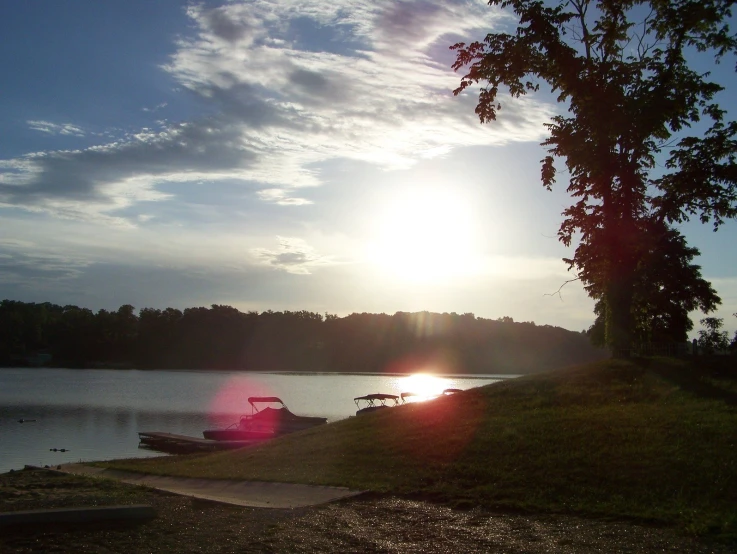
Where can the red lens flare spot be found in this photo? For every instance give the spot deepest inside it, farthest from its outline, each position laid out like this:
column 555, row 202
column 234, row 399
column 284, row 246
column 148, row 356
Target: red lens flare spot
column 231, row 401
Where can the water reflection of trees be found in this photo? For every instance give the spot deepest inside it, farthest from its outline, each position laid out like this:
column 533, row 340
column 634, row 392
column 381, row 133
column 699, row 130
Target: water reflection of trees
column 84, row 432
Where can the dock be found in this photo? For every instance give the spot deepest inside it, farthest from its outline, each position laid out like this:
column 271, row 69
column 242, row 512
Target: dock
column 182, row 444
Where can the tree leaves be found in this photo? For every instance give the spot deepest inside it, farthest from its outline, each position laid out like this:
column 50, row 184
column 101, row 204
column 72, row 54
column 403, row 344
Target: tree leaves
column 620, row 69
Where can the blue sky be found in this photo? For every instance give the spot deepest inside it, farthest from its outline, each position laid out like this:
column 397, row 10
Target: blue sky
column 279, row 155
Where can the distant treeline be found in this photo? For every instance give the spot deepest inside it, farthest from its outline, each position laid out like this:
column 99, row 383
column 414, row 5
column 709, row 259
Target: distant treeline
column 222, row 337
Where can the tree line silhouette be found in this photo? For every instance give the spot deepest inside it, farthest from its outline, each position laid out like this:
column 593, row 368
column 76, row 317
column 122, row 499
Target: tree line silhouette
column 222, row 337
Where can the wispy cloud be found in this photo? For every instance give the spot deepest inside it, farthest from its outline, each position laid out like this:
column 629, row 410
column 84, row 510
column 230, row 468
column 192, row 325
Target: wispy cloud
column 282, row 197
column 33, row 267
column 290, row 86
column 294, row 255
column 156, row 108
column 56, row 128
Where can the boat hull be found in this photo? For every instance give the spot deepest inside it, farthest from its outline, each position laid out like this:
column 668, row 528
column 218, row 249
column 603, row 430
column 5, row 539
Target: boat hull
column 236, row 435
column 370, row 409
column 259, row 428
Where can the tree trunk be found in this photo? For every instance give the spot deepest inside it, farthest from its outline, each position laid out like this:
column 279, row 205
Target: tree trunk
column 621, row 253
column 619, row 320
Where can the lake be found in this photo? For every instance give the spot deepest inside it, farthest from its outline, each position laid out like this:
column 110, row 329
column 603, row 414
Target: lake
column 97, row 414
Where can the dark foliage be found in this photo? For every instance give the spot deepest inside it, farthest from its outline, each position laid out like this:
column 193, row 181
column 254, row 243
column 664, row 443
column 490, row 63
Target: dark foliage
column 667, row 287
column 221, row 337
column 642, row 138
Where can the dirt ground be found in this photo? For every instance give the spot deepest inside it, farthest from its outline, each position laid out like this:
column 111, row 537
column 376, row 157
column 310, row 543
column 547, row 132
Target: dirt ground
column 363, row 524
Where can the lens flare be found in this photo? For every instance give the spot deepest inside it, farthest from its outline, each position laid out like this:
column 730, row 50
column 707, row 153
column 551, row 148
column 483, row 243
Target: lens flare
column 231, row 401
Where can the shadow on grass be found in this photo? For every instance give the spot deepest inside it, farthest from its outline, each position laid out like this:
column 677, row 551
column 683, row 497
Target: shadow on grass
column 699, row 375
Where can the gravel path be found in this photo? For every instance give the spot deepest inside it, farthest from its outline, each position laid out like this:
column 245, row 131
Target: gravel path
column 363, row 524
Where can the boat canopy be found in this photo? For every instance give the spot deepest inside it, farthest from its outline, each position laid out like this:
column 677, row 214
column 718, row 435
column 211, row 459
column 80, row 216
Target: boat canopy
column 374, row 401
column 406, row 395
column 372, row 397
column 264, row 399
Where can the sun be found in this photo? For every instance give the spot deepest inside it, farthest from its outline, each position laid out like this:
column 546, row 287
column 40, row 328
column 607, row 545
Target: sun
column 426, row 234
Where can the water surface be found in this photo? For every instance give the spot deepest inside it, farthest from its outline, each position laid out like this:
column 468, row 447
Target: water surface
column 97, row 414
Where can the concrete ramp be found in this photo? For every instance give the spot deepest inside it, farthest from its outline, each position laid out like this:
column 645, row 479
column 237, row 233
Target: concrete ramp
column 255, row 494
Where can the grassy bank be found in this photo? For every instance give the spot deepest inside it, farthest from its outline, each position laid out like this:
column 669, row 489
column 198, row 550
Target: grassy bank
column 655, row 439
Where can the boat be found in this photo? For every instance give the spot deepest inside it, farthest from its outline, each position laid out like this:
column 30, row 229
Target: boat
column 264, row 423
column 451, row 391
column 373, row 402
column 405, row 395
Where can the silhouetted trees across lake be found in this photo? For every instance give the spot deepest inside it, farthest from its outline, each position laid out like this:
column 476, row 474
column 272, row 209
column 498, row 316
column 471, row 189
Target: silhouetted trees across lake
column 222, row 337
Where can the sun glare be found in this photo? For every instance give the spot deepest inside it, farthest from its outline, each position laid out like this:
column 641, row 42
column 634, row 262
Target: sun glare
column 423, row 386
column 427, row 234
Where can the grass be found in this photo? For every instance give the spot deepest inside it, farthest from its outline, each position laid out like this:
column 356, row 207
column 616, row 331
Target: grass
column 182, row 525
column 654, row 439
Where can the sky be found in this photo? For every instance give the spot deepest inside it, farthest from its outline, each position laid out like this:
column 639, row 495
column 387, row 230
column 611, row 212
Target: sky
column 281, row 155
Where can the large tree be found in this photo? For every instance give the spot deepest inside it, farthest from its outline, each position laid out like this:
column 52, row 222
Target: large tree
column 639, row 130
column 668, row 286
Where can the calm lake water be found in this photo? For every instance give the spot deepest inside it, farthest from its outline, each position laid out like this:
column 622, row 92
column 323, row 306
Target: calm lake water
column 97, row 414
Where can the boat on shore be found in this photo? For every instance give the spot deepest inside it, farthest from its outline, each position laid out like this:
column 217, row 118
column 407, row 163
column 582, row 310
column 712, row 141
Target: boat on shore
column 405, row 396
column 264, row 423
column 373, row 402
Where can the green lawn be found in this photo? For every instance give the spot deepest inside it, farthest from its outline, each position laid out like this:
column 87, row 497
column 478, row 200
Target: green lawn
column 656, row 439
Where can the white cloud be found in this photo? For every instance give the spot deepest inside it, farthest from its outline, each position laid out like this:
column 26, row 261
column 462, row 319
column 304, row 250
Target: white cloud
column 56, row 128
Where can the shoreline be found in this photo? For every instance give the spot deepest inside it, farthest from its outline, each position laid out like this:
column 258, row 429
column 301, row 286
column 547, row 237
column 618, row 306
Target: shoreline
column 278, row 372
column 610, row 442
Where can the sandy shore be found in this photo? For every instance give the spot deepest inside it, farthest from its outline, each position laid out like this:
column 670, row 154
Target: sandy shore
column 363, row 524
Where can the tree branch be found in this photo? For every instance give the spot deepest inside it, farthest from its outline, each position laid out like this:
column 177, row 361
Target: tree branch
column 561, row 288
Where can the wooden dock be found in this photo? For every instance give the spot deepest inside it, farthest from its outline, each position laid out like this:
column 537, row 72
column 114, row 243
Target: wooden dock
column 182, row 444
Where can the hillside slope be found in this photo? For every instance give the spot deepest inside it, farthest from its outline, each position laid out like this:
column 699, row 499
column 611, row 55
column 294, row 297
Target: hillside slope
column 655, row 440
